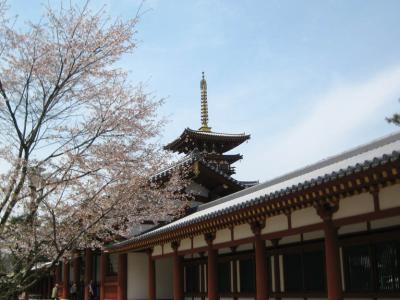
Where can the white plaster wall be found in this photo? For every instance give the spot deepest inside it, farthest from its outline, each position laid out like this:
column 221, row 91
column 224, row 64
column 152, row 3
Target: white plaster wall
column 137, row 280
column 389, row 197
column 272, row 265
column 224, row 250
column 233, row 266
column 185, row 244
column 342, row 269
column 290, row 239
column 168, row 248
column 281, row 275
column 242, row 231
column 199, row 241
column 222, row 236
column 352, row 228
column 355, row 205
column 276, row 223
column 238, row 275
column 305, row 216
column 387, row 222
column 240, row 298
column 244, row 247
column 164, row 272
column 157, row 250
column 313, row 235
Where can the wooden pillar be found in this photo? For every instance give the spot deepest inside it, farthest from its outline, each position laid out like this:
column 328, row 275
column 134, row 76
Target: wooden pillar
column 212, row 279
column 57, row 274
column 57, row 277
column 88, row 271
column 103, row 263
column 332, row 256
column 65, row 293
column 178, row 274
column 260, row 262
column 122, row 275
column 76, row 265
column 277, row 271
column 151, row 292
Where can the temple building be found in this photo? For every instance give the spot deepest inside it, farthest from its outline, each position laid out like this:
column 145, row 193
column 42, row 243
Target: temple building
column 330, row 231
column 205, row 152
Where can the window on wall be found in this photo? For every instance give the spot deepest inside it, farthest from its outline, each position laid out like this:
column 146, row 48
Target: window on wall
column 388, row 266
column 358, row 271
column 304, row 271
column 192, row 278
column 314, row 270
column 112, row 265
column 293, row 272
column 247, row 274
column 224, row 276
column 372, row 267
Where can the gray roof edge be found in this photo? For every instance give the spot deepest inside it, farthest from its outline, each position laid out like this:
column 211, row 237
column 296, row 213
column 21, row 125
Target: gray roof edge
column 320, row 164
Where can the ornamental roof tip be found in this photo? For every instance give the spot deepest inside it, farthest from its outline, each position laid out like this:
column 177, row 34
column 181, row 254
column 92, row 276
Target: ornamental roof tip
column 374, row 154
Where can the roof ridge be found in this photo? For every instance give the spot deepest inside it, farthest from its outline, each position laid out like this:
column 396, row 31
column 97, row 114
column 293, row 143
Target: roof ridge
column 214, row 132
column 376, row 143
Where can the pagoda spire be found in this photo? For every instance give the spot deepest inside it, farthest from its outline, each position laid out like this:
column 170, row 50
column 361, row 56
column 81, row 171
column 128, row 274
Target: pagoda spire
column 204, row 105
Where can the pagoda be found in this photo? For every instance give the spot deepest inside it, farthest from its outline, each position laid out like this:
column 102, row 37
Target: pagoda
column 205, row 151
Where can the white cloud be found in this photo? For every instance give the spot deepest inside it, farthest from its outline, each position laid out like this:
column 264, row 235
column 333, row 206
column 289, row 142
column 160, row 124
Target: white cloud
column 336, row 119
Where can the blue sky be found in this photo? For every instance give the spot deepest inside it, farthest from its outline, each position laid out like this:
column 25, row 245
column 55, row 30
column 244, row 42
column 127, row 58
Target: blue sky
column 307, row 79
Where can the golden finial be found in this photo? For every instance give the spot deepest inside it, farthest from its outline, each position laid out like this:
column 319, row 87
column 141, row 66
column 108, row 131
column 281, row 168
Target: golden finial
column 204, row 105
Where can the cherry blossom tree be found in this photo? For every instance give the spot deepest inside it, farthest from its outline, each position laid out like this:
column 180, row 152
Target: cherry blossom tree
column 78, row 141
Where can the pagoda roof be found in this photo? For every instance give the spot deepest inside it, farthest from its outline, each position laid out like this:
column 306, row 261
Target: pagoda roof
column 359, row 163
column 213, row 174
column 190, row 139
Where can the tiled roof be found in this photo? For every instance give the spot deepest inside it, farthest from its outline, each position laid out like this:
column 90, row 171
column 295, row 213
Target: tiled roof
column 211, row 133
column 371, row 155
column 191, row 158
column 236, row 139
